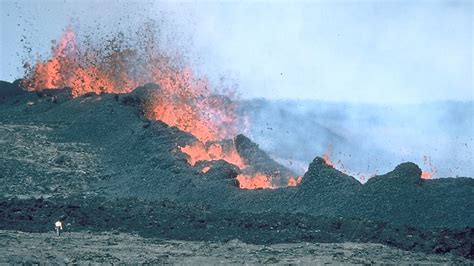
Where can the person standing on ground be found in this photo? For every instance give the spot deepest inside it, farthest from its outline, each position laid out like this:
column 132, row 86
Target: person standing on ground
column 58, row 226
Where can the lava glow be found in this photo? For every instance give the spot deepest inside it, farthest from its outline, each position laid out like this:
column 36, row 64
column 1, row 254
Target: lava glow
column 205, row 169
column 255, row 181
column 214, row 151
column 66, row 68
column 184, row 100
column 327, row 156
column 433, row 169
column 293, row 182
column 426, row 175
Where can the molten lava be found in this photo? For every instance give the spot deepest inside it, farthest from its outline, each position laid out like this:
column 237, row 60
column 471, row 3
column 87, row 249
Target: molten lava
column 205, row 169
column 426, row 175
column 184, row 100
column 293, row 182
column 327, row 156
column 433, row 169
column 255, row 181
column 70, row 67
column 211, row 152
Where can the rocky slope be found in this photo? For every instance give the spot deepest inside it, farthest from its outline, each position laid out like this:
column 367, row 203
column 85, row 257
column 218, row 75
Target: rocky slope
column 100, row 162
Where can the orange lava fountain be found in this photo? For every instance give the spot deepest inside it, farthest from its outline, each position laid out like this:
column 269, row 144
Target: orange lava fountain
column 426, row 175
column 200, row 152
column 184, row 101
column 293, row 182
column 256, row 181
column 327, row 156
column 433, row 170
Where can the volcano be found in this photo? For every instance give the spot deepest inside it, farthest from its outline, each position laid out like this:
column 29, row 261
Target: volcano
column 119, row 137
column 102, row 161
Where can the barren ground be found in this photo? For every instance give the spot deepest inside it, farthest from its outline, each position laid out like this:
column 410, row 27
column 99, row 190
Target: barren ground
column 129, row 195
column 86, row 247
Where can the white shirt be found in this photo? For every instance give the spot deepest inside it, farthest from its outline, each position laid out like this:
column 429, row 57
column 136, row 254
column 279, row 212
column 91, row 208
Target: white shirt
column 59, row 224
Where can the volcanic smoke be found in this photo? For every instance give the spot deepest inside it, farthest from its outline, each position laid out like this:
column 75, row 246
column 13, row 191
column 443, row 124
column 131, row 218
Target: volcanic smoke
column 185, row 101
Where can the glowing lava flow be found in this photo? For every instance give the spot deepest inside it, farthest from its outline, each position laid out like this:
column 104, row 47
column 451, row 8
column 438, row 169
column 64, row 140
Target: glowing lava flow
column 214, row 151
column 184, row 101
column 255, row 181
column 426, row 175
column 293, row 182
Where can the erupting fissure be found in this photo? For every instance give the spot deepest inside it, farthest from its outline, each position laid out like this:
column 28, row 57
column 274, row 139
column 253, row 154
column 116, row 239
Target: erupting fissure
column 184, row 100
column 433, row 170
column 212, row 151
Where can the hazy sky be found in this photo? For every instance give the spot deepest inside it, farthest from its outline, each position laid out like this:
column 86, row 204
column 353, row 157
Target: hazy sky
column 357, row 51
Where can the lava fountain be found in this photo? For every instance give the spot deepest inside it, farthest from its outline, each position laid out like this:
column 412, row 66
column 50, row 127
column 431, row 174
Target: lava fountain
column 185, row 101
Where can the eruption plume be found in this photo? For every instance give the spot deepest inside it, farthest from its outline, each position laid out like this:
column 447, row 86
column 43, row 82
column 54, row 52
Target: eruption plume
column 184, row 101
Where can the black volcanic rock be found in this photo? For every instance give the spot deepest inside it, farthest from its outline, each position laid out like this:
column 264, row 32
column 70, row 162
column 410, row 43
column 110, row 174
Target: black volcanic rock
column 55, row 96
column 402, row 196
column 321, row 176
column 141, row 96
column 126, row 172
column 260, row 162
column 8, row 89
column 404, row 173
column 219, row 170
column 407, row 169
column 327, row 190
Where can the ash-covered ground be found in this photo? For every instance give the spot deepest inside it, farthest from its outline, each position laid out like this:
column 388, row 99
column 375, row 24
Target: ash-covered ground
column 98, row 161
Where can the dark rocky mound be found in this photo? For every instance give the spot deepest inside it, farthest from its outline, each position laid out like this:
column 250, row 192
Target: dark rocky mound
column 100, row 158
column 8, row 89
column 404, row 174
column 406, row 198
column 219, row 169
column 260, row 162
column 323, row 177
column 326, row 189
